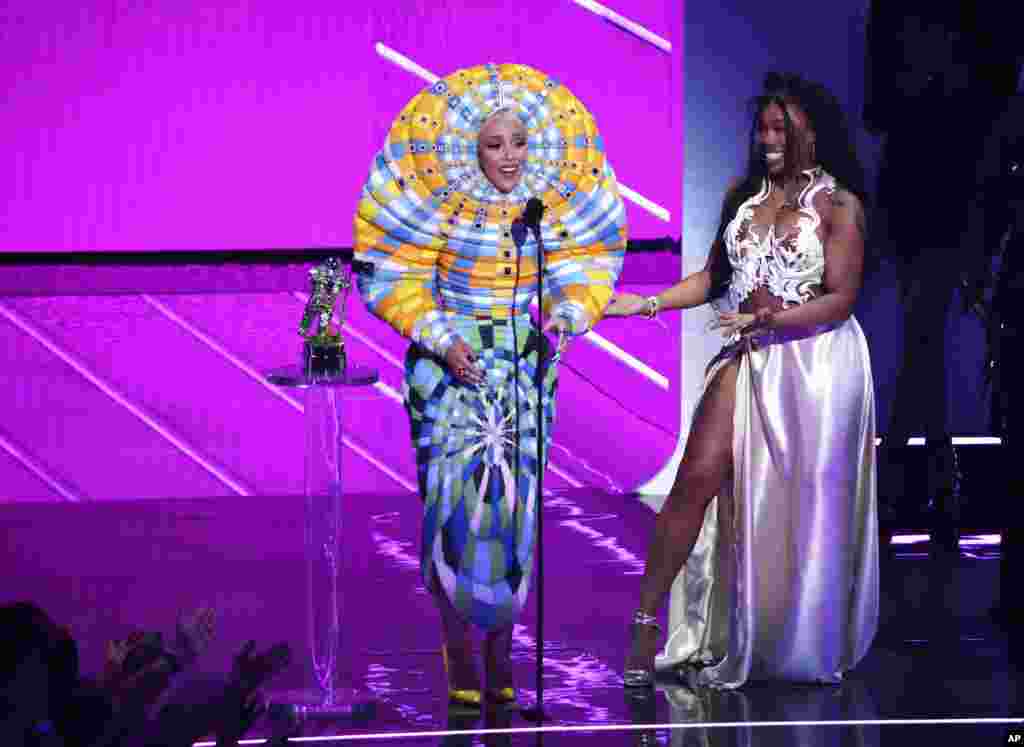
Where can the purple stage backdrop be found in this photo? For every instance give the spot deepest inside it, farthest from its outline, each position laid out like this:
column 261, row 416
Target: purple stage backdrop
column 189, row 125
column 179, row 126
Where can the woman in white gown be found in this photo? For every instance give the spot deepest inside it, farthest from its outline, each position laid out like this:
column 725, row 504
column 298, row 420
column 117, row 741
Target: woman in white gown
column 772, row 516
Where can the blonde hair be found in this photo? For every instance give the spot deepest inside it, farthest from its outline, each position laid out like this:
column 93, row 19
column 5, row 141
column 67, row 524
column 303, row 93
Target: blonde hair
column 506, row 109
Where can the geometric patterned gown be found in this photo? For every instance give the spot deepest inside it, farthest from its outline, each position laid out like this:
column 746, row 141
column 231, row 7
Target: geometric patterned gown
column 438, row 262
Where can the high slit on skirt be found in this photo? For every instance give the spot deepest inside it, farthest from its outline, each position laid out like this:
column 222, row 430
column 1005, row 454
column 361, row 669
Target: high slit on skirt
column 782, row 583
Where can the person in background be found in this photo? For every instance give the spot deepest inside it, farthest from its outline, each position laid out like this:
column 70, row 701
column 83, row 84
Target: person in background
column 996, row 228
column 936, row 75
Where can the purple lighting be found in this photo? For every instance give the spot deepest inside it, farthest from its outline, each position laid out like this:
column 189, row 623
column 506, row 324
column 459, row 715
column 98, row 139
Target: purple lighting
column 980, row 540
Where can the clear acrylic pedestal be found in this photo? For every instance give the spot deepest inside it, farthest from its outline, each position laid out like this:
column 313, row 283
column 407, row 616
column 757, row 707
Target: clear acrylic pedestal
column 323, row 404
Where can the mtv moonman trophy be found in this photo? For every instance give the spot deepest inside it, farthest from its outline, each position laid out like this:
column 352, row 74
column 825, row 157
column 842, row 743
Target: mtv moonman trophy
column 325, row 378
column 323, row 352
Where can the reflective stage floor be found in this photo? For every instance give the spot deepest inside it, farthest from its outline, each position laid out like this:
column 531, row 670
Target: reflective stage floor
column 938, row 672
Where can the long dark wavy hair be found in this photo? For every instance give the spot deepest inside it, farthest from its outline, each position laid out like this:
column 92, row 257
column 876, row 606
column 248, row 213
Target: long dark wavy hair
column 834, row 152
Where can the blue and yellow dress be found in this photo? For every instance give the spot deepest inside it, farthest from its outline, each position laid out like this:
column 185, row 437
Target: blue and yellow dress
column 440, row 264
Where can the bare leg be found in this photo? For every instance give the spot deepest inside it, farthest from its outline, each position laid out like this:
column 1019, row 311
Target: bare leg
column 458, row 643
column 707, row 463
column 498, row 650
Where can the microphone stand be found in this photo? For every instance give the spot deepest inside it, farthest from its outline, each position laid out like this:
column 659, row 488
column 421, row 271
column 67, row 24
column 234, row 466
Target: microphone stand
column 519, row 229
column 538, row 375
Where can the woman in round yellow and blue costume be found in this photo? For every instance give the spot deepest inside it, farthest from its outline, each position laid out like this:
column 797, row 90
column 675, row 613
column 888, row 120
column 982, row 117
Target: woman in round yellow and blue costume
column 438, row 260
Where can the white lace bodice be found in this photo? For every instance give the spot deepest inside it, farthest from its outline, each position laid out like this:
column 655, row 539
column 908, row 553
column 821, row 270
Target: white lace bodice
column 790, row 266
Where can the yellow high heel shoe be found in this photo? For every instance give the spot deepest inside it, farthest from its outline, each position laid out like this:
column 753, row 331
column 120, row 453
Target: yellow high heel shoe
column 469, row 698
column 504, row 696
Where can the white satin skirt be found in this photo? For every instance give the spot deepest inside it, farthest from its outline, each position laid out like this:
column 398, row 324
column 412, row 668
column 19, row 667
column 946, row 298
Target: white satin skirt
column 783, row 581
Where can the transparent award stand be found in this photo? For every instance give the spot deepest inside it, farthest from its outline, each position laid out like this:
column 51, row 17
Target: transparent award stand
column 323, row 549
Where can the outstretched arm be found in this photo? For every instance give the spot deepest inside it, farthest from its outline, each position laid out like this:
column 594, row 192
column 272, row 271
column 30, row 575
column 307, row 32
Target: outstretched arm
column 693, row 290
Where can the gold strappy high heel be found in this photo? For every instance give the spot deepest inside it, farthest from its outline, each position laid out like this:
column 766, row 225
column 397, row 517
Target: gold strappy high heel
column 503, row 697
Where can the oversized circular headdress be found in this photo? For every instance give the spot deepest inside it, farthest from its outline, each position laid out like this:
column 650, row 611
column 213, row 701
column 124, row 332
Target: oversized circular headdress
column 427, row 177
